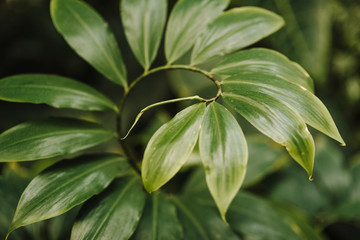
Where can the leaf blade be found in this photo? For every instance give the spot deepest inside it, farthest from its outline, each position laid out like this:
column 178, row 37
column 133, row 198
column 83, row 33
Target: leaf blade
column 170, row 147
column 122, row 202
column 224, row 154
column 56, row 91
column 47, row 138
column 264, row 61
column 276, row 120
column 309, row 107
column 143, row 22
column 233, row 30
column 64, row 186
column 89, row 35
column 186, row 21
column 159, row 220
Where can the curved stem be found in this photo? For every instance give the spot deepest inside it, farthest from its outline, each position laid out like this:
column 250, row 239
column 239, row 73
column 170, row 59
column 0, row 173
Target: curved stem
column 146, row 73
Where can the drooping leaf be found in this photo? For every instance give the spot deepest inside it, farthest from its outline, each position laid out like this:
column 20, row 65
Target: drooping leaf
column 56, row 91
column 114, row 214
column 264, row 61
column 224, row 154
column 233, row 30
column 171, row 146
column 254, row 218
column 66, row 185
column 187, row 20
column 273, row 118
column 159, row 220
column 47, row 138
column 308, row 106
column 143, row 22
column 89, row 35
column 201, row 221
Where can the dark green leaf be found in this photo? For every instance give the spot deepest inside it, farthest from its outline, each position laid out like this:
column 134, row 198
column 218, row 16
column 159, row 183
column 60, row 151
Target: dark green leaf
column 256, row 219
column 64, row 186
column 89, row 35
column 187, row 20
column 56, row 91
column 224, row 154
column 264, row 61
column 171, row 146
column 201, row 221
column 305, row 103
column 265, row 157
column 273, row 118
column 143, row 22
column 112, row 215
column 159, row 220
column 47, row 138
column 233, row 30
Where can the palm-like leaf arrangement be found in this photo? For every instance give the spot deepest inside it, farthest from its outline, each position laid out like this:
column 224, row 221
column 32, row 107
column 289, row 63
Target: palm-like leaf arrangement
column 273, row 93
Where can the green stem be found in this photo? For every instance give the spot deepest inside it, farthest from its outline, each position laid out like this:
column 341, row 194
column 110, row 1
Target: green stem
column 146, row 73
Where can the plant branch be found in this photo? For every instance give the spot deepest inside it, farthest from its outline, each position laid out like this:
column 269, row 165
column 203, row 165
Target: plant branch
column 146, row 73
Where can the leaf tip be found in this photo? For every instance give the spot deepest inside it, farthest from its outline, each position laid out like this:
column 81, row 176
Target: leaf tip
column 311, row 178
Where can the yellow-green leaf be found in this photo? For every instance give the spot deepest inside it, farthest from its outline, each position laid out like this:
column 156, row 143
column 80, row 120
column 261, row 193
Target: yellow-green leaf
column 224, row 154
column 170, row 147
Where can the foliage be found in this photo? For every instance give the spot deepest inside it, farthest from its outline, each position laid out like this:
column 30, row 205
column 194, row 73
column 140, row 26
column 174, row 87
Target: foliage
column 273, row 93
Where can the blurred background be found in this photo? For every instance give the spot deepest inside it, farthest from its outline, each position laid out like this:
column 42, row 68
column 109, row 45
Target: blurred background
column 321, row 35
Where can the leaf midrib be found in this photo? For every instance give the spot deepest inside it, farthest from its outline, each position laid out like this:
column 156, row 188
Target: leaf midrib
column 59, row 88
column 104, row 131
column 192, row 218
column 105, row 219
column 67, row 183
column 88, row 30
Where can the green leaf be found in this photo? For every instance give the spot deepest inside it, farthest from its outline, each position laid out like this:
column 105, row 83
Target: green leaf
column 224, row 153
column 114, row 214
column 261, row 60
column 187, row 20
column 201, row 221
column 56, row 91
column 233, row 30
column 256, row 219
column 47, row 138
column 305, row 103
column 277, row 120
column 171, row 146
column 89, row 35
column 159, row 220
column 66, row 185
column 144, row 22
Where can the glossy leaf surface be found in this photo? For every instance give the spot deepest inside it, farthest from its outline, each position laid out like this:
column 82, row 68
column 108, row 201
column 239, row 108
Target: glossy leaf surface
column 233, row 30
column 201, row 221
column 114, row 214
column 170, row 147
column 89, row 35
column 261, row 60
column 143, row 22
column 256, row 219
column 47, row 138
column 56, row 91
column 159, row 220
column 187, row 20
column 305, row 103
column 224, row 154
column 66, row 185
column 273, row 118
